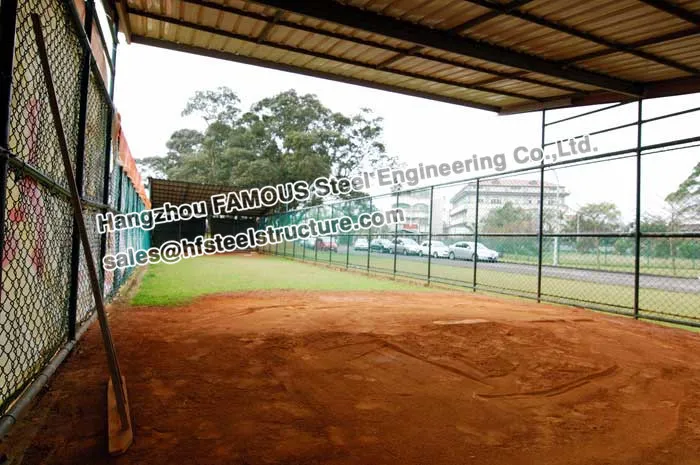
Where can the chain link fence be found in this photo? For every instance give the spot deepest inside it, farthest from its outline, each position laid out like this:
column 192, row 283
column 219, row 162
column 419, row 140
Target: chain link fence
column 551, row 232
column 45, row 294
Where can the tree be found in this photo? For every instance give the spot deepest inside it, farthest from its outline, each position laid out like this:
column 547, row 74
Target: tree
column 284, row 138
column 684, row 202
column 508, row 219
column 683, row 206
column 603, row 217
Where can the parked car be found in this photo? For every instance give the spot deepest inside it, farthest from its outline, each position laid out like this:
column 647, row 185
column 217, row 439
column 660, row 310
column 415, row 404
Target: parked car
column 360, row 244
column 326, row 243
column 464, row 250
column 309, row 242
column 406, row 246
column 381, row 245
column 437, row 249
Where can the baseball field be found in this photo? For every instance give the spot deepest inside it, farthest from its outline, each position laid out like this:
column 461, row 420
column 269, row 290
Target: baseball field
column 248, row 359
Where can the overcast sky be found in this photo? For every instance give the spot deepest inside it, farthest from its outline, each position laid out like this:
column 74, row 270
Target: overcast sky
column 153, row 85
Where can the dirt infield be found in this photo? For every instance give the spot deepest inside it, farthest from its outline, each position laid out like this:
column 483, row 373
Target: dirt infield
column 377, row 378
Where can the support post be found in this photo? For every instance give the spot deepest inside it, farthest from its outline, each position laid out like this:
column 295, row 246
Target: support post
column 540, row 232
column 8, row 23
column 79, row 172
column 476, row 233
column 430, row 232
column 638, row 211
column 396, row 234
column 369, row 237
column 115, row 42
column 120, row 430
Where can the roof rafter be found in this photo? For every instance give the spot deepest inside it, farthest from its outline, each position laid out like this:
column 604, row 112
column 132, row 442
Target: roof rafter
column 306, row 72
column 400, row 52
column 674, row 10
column 449, row 42
column 619, row 47
column 325, row 56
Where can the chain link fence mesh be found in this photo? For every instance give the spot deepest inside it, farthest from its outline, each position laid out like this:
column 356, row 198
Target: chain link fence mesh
column 545, row 232
column 36, row 248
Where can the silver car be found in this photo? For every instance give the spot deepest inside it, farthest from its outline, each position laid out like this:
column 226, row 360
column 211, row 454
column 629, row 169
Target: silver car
column 464, row 250
column 437, row 249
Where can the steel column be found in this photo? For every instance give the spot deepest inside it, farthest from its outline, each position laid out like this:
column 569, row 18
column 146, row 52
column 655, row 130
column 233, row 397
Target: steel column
column 638, row 211
column 475, row 259
column 396, row 234
column 369, row 237
column 430, row 232
column 540, row 231
column 8, row 22
column 79, row 172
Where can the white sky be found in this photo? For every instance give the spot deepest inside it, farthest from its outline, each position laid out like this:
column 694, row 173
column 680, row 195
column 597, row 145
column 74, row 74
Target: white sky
column 153, row 85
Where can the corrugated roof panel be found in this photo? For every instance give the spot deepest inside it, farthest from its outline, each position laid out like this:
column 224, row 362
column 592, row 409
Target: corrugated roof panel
column 632, row 68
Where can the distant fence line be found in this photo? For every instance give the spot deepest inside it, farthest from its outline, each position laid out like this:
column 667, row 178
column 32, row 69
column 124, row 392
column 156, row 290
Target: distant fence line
column 652, row 274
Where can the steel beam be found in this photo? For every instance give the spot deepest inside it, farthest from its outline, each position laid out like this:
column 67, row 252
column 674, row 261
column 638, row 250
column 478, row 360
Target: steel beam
column 449, row 42
column 616, row 46
column 307, row 72
column 325, row 56
column 675, row 10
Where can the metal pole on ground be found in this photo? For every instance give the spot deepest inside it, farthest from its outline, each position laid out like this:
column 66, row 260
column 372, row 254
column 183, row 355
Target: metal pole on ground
column 476, row 232
column 8, row 20
column 120, row 429
column 430, row 232
column 540, row 232
column 638, row 211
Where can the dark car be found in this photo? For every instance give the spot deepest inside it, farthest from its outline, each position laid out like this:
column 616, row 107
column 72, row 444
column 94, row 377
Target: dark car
column 381, row 245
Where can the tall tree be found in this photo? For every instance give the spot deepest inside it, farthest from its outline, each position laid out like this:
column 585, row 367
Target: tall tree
column 684, row 202
column 509, row 219
column 284, row 138
column 603, row 217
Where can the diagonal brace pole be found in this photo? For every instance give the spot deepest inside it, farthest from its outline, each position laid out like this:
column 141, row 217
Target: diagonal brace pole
column 112, row 361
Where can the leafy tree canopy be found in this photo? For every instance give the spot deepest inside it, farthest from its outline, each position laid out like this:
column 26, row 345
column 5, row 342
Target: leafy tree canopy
column 684, row 202
column 284, row 138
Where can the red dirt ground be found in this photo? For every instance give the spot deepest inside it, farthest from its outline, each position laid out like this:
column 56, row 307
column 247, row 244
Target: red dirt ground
column 377, row 378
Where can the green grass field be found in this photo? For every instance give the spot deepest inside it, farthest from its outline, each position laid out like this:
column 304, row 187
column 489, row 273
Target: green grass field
column 178, row 284
column 181, row 282
column 656, row 302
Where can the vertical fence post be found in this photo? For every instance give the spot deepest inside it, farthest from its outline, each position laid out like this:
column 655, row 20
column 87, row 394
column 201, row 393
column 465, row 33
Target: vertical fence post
column 105, row 183
column 396, row 235
column 638, row 211
column 476, row 232
column 8, row 20
column 79, row 171
column 330, row 245
column 115, row 41
column 430, row 232
column 369, row 236
column 111, row 116
column 347, row 251
column 540, row 232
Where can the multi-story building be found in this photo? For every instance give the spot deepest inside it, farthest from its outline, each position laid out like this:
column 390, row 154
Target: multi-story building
column 416, row 207
column 495, row 193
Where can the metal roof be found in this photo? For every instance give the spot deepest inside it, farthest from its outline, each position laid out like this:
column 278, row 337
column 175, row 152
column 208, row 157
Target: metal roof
column 499, row 55
column 180, row 192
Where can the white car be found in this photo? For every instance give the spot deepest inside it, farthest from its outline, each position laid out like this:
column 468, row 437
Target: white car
column 464, row 250
column 437, row 249
column 361, row 244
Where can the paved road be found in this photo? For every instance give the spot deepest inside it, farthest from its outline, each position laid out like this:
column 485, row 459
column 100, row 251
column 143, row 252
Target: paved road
column 664, row 283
